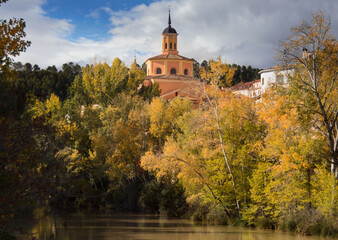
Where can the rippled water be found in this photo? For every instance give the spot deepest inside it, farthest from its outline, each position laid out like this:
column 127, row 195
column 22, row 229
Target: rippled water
column 73, row 226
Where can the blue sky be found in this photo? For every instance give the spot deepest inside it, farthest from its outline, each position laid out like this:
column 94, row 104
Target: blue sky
column 91, row 18
column 244, row 32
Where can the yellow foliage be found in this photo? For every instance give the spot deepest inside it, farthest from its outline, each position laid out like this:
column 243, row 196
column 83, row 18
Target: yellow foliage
column 53, row 104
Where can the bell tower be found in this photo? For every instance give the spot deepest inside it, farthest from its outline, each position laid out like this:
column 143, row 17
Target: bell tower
column 173, row 73
column 169, row 39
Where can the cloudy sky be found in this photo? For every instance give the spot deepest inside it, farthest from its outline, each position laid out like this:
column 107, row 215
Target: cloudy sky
column 246, row 32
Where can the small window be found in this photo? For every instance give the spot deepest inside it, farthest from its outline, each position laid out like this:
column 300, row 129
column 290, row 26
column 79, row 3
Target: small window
column 280, row 79
column 262, row 81
column 158, row 71
column 185, row 71
column 165, row 45
column 171, row 45
column 173, row 71
column 175, row 46
column 176, row 94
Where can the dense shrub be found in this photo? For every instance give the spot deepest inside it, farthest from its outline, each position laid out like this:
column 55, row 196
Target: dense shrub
column 6, row 236
column 201, row 211
column 165, row 197
column 309, row 222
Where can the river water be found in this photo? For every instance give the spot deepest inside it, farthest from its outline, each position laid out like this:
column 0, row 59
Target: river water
column 94, row 226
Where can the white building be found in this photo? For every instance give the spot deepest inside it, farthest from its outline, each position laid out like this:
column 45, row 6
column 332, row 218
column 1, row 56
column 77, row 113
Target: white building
column 274, row 75
column 269, row 77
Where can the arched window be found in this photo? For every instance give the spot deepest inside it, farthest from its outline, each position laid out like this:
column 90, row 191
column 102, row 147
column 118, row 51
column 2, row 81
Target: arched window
column 158, row 71
column 185, row 71
column 173, row 71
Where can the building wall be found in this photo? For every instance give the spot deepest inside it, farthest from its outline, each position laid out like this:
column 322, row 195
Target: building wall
column 172, row 88
column 169, row 38
column 189, row 66
column 173, row 64
column 168, row 86
column 157, row 64
column 270, row 77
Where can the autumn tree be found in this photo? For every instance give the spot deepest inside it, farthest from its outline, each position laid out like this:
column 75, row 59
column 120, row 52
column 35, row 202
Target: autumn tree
column 211, row 150
column 193, row 154
column 11, row 38
column 211, row 94
column 290, row 187
column 103, row 82
column 312, row 52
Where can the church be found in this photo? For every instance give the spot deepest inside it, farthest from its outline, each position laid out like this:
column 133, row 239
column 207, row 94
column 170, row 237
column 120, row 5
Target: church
column 171, row 71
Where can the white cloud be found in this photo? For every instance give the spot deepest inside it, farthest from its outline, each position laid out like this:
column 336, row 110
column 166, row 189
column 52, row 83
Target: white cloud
column 241, row 31
column 96, row 13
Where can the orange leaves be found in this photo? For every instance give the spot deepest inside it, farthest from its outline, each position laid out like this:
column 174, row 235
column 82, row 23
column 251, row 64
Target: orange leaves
column 288, row 139
column 11, row 38
column 11, row 43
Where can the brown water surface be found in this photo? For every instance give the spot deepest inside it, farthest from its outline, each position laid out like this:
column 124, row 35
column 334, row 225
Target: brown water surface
column 93, row 226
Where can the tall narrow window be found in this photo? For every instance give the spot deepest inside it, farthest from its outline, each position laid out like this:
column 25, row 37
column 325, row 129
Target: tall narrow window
column 175, row 46
column 185, row 71
column 262, row 81
column 165, row 45
column 171, row 45
column 173, row 71
column 158, row 71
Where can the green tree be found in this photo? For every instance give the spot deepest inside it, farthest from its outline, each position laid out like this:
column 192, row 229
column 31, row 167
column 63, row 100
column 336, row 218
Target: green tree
column 196, row 69
column 43, row 82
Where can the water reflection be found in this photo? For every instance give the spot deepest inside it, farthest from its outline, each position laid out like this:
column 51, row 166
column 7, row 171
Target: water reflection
column 73, row 226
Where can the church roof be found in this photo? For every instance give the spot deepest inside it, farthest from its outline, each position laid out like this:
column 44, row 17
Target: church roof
column 171, row 56
column 172, row 77
column 169, row 29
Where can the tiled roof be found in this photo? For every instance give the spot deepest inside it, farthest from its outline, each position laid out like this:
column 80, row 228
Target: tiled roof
column 244, row 86
column 172, row 76
column 277, row 68
column 171, row 56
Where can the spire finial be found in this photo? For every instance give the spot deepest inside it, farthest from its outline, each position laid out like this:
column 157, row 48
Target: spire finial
column 169, row 19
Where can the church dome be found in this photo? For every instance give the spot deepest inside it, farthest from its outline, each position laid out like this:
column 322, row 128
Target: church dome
column 169, row 30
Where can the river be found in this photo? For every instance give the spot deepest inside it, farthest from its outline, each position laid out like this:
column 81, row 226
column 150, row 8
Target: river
column 94, row 226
